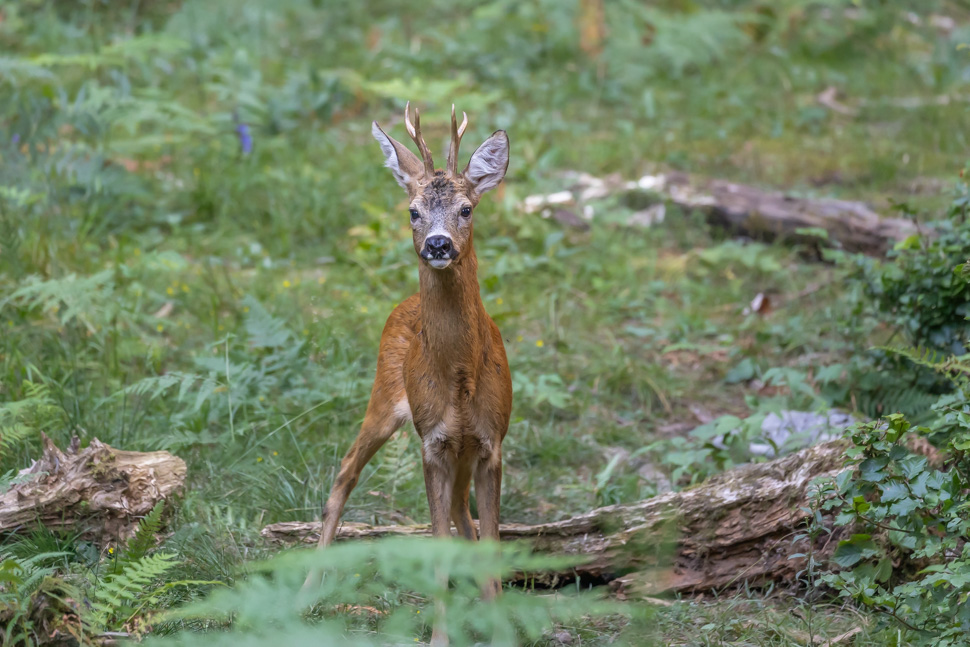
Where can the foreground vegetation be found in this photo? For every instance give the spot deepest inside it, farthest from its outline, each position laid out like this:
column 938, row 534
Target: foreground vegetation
column 199, row 246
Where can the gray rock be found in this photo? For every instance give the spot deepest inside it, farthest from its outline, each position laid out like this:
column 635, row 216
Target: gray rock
column 788, row 431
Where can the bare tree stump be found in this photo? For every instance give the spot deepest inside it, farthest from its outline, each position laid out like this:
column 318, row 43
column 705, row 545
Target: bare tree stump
column 737, row 527
column 99, row 490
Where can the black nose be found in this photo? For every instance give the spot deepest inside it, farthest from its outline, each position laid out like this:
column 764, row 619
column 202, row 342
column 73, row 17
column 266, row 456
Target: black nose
column 438, row 246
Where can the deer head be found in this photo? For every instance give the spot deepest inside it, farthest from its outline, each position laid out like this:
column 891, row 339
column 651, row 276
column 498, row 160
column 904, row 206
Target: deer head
column 442, row 201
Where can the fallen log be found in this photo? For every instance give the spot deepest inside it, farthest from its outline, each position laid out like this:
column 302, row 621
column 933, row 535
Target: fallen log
column 740, row 208
column 737, row 527
column 99, row 491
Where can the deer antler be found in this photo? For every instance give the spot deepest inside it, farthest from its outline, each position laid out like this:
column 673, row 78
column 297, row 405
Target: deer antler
column 456, row 133
column 415, row 131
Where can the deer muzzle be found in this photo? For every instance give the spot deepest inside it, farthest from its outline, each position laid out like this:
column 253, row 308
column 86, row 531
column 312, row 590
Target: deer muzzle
column 439, row 251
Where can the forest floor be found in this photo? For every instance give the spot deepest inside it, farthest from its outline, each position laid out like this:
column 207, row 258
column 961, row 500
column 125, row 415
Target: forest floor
column 166, row 287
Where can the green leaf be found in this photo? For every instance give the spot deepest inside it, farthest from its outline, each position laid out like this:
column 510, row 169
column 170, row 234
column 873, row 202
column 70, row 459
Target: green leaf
column 894, row 491
column 851, row 551
column 912, row 466
column 910, row 242
column 871, row 469
column 843, row 481
column 903, row 507
column 884, row 570
column 742, row 372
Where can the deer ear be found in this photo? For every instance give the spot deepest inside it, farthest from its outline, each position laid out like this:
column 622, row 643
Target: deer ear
column 405, row 165
column 488, row 164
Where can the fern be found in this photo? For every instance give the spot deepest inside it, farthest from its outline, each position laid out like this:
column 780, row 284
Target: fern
column 22, row 420
column 394, row 573
column 121, row 596
column 155, row 386
column 679, row 41
column 957, row 368
column 21, row 582
column 907, row 399
column 398, row 465
column 146, row 535
column 263, row 329
column 88, row 299
column 139, row 49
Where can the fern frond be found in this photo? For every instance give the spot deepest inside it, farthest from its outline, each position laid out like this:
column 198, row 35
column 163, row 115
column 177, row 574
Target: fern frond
column 146, row 534
column 12, row 436
column 155, row 386
column 87, row 299
column 398, row 465
column 121, row 595
column 906, row 399
column 264, row 330
column 957, row 368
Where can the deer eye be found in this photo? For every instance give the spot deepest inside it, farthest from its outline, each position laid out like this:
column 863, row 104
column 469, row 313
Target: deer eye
column 466, row 211
column 415, row 216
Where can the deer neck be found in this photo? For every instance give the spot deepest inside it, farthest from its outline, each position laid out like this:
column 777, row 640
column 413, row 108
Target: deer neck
column 452, row 313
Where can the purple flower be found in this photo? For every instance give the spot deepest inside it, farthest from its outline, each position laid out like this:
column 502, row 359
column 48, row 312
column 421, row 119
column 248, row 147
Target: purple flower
column 15, row 139
column 245, row 138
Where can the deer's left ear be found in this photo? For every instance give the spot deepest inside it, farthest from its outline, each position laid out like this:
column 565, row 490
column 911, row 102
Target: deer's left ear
column 489, row 163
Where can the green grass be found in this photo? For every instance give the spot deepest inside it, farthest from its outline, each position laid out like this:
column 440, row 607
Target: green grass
column 137, row 241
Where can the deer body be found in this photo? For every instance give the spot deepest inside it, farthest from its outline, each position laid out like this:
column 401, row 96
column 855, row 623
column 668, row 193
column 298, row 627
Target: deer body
column 441, row 362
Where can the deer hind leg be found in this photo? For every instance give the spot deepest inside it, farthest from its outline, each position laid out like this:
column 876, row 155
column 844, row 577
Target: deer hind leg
column 380, row 422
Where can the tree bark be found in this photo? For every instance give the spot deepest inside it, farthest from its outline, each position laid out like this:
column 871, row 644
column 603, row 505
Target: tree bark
column 740, row 208
column 737, row 527
column 100, row 491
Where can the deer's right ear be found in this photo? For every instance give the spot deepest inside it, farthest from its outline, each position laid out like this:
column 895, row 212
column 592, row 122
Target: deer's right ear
column 404, row 164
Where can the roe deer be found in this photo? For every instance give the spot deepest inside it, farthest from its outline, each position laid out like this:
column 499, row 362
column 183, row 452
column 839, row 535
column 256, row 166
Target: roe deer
column 441, row 362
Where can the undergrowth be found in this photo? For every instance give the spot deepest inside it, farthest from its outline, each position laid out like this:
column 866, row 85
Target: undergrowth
column 199, row 247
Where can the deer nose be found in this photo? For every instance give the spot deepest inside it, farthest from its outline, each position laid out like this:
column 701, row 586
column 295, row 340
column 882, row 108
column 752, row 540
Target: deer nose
column 438, row 246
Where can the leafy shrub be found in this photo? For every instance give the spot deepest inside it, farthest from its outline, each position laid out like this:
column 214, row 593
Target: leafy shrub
column 919, row 290
column 902, row 509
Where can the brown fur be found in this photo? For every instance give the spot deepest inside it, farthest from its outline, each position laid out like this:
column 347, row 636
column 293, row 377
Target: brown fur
column 442, row 353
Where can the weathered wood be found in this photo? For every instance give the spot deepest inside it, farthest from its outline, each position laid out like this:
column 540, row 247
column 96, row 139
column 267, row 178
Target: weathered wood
column 736, row 527
column 99, row 491
column 853, row 226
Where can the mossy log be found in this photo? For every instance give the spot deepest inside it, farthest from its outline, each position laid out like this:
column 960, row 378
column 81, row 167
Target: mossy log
column 99, row 491
column 743, row 209
column 737, row 527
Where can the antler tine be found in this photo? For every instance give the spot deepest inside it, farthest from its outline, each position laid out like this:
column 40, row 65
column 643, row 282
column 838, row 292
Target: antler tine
column 456, row 133
column 414, row 129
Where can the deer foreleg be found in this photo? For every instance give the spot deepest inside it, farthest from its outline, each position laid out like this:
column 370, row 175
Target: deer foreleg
column 439, row 481
column 461, row 515
column 488, row 494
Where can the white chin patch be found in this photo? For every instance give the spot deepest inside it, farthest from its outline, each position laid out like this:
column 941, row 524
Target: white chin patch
column 440, row 263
